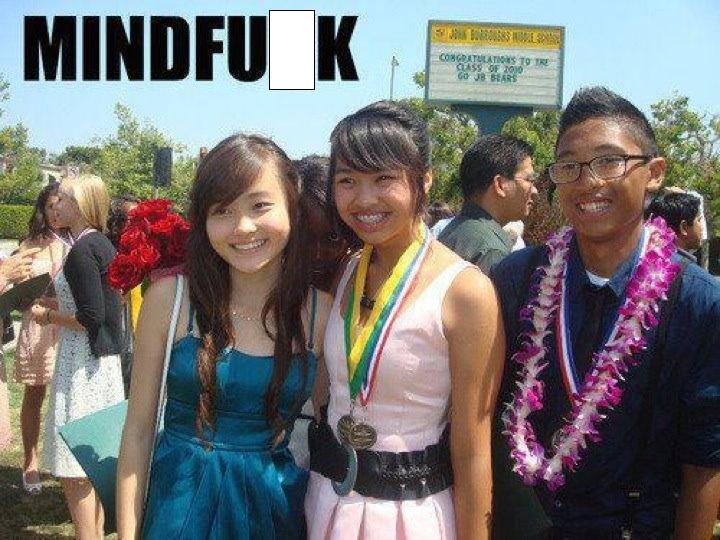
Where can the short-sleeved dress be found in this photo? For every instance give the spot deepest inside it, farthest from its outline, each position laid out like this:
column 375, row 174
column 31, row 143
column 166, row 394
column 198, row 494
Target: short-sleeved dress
column 241, row 486
column 36, row 347
column 409, row 409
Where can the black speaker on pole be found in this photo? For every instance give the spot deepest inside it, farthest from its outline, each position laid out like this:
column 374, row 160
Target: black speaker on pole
column 162, row 167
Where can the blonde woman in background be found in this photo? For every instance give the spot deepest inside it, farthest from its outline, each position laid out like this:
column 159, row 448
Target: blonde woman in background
column 87, row 372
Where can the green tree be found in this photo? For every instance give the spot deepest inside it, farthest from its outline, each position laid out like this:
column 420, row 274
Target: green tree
column 540, row 131
column 690, row 142
column 23, row 183
column 451, row 133
column 4, row 91
column 78, row 155
column 125, row 160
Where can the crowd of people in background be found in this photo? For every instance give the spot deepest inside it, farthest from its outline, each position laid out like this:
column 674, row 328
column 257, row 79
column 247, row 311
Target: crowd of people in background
column 580, row 377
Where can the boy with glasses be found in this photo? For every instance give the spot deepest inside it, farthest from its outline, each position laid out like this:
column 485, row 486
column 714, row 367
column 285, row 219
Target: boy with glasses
column 497, row 180
column 611, row 400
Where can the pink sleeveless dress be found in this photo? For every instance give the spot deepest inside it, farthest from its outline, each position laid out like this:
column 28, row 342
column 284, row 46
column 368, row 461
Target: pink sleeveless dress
column 408, row 408
column 36, row 347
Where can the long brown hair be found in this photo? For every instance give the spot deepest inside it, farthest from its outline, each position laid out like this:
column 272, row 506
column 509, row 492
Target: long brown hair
column 223, row 175
column 38, row 226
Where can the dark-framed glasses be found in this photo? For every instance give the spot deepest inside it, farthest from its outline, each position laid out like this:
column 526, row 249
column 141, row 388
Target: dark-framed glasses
column 602, row 167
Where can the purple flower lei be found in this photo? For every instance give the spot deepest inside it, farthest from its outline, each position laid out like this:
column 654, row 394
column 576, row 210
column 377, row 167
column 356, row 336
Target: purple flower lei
column 601, row 388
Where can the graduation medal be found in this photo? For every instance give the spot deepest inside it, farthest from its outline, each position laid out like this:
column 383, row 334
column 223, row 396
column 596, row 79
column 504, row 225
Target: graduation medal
column 364, row 343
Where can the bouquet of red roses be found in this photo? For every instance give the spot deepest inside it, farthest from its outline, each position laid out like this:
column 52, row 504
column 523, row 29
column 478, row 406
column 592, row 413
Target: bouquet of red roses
column 152, row 242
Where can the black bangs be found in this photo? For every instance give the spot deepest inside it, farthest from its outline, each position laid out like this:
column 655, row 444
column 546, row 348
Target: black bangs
column 370, row 144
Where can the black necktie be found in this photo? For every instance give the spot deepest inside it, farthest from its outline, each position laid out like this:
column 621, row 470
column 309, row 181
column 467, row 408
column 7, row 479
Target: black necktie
column 589, row 336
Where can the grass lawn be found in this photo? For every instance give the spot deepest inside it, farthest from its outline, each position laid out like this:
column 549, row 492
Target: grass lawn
column 21, row 515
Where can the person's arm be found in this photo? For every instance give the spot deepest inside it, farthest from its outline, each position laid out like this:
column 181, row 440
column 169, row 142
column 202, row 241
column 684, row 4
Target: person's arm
column 84, row 276
column 321, row 389
column 474, row 329
column 699, row 426
column 17, row 267
column 137, row 437
column 44, row 315
column 698, row 506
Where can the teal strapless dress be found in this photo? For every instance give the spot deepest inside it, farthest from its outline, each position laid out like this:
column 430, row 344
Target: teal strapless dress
column 241, row 488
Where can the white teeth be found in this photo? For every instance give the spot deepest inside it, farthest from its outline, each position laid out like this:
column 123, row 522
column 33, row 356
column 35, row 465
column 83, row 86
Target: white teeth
column 370, row 219
column 251, row 245
column 594, row 206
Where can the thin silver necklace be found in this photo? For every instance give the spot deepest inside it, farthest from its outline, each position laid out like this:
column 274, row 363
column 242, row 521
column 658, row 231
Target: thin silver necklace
column 250, row 318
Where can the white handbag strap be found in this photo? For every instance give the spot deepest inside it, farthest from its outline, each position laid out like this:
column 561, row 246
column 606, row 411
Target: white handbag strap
column 160, row 409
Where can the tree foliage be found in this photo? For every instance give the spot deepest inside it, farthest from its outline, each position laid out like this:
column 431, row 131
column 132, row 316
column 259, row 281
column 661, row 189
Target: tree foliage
column 451, row 133
column 690, row 142
column 125, row 160
column 4, row 91
column 540, row 131
column 82, row 156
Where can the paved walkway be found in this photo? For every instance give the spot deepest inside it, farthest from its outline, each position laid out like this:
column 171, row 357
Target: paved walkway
column 8, row 246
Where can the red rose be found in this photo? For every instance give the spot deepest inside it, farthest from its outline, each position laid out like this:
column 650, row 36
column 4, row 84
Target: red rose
column 164, row 227
column 147, row 255
column 125, row 273
column 176, row 247
column 151, row 210
column 133, row 236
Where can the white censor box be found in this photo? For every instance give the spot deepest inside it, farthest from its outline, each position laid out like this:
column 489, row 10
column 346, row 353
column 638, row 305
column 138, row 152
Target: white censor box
column 494, row 63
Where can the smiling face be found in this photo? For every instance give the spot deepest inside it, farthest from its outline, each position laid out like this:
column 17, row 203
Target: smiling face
column 251, row 232
column 380, row 207
column 605, row 210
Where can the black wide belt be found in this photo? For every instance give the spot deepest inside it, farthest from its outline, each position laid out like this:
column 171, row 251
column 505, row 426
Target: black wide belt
column 383, row 475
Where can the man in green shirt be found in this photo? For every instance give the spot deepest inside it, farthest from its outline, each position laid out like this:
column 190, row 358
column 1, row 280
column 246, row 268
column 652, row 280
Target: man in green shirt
column 497, row 181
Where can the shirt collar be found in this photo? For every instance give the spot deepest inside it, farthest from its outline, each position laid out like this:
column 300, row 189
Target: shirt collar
column 579, row 280
column 470, row 210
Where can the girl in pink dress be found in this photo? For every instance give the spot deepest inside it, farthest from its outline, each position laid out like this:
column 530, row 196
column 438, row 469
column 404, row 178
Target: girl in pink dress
column 413, row 329
column 37, row 345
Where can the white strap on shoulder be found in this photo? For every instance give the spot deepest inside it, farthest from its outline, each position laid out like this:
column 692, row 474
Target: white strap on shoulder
column 160, row 408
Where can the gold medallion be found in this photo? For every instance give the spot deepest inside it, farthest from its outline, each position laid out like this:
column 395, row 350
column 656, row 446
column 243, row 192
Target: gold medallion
column 362, row 436
column 344, row 427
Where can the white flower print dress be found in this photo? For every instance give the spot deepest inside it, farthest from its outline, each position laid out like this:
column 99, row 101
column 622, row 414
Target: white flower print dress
column 82, row 384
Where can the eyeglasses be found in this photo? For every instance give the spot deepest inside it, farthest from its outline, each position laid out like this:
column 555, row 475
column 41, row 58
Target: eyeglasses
column 602, row 167
column 532, row 178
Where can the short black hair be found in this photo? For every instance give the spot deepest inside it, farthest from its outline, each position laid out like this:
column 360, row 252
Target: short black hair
column 599, row 102
column 382, row 135
column 675, row 208
column 488, row 156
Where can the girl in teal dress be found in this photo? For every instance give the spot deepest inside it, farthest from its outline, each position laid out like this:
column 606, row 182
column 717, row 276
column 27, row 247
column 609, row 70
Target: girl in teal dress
column 244, row 361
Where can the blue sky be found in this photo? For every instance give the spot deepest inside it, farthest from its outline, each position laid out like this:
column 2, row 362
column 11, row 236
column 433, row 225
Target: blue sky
column 644, row 50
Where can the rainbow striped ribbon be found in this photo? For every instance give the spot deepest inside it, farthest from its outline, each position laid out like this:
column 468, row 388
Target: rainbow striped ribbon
column 570, row 377
column 364, row 345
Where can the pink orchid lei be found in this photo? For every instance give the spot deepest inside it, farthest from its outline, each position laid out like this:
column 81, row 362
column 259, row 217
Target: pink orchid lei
column 601, row 386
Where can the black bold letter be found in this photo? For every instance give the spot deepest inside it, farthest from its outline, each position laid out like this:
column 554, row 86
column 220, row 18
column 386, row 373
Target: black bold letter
column 91, row 48
column 258, row 48
column 331, row 46
column 159, row 68
column 205, row 46
column 131, row 50
column 37, row 40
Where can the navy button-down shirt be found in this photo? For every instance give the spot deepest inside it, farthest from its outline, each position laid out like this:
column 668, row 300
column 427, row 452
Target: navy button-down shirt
column 685, row 403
